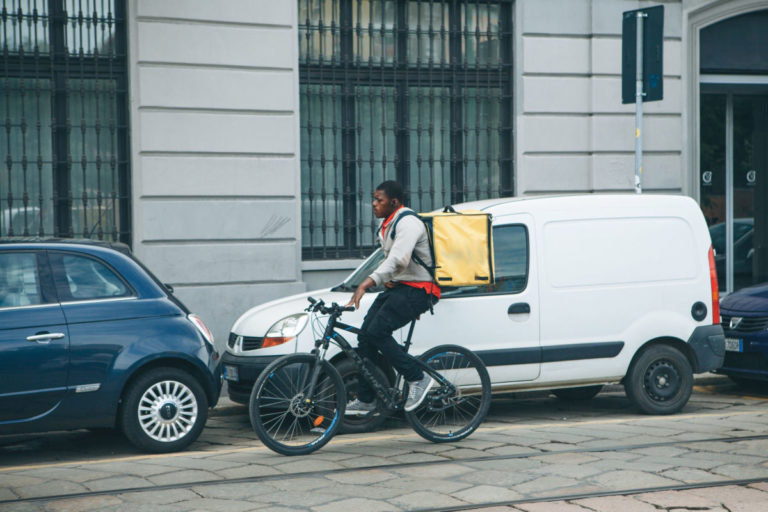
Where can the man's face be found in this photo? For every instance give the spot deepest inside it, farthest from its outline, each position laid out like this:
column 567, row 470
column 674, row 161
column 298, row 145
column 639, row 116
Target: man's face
column 382, row 205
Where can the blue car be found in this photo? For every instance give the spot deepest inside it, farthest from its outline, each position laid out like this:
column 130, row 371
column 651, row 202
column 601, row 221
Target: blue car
column 744, row 317
column 89, row 338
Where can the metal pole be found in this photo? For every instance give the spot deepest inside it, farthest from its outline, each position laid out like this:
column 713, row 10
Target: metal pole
column 639, row 104
column 729, row 277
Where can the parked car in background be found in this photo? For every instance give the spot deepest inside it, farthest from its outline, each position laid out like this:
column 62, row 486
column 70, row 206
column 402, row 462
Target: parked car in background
column 743, row 249
column 89, row 338
column 589, row 290
column 744, row 317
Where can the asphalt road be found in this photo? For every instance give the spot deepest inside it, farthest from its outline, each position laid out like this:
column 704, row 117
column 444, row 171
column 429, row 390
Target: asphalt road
column 534, row 453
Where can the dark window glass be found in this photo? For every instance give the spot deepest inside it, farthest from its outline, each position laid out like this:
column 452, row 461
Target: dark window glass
column 510, row 259
column 90, row 279
column 418, row 91
column 19, row 283
column 63, row 118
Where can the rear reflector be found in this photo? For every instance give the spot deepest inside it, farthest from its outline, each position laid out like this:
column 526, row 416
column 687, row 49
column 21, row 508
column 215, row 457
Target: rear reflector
column 713, row 285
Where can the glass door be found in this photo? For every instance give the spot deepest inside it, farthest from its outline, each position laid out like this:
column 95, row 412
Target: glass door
column 733, row 192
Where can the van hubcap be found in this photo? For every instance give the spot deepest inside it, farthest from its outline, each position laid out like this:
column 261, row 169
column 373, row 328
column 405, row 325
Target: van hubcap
column 662, row 380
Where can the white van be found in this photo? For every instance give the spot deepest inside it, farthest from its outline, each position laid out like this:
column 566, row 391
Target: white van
column 589, row 290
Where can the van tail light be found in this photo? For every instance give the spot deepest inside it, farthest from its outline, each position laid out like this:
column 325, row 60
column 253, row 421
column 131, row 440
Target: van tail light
column 713, row 285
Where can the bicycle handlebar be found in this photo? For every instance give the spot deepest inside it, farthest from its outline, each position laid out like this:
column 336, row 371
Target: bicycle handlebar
column 333, row 309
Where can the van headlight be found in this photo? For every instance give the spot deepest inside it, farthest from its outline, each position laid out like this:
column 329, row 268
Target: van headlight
column 285, row 330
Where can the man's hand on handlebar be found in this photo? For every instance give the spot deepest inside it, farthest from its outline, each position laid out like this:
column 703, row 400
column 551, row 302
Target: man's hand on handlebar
column 360, row 291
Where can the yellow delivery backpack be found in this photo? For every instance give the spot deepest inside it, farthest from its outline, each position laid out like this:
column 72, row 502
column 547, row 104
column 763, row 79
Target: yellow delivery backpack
column 461, row 244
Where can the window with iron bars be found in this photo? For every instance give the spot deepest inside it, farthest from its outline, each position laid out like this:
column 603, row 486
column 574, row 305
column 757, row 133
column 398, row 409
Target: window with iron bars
column 64, row 168
column 419, row 91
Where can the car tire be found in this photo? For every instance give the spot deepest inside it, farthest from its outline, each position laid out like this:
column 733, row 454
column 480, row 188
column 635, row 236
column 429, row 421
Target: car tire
column 582, row 393
column 163, row 410
column 660, row 380
column 359, row 424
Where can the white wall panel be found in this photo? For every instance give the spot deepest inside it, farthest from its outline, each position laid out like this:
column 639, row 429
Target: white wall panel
column 617, row 133
column 560, row 173
column 219, row 176
column 661, row 172
column 554, row 133
column 231, row 45
column 555, row 55
column 193, row 132
column 219, row 219
column 225, row 263
column 556, row 94
column 233, row 11
column 556, row 17
column 232, row 89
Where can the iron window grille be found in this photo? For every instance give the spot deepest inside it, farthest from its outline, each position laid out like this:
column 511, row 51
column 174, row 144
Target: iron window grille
column 414, row 90
column 64, row 169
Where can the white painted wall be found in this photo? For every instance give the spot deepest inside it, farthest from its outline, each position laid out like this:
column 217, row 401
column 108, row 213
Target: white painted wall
column 572, row 132
column 215, row 138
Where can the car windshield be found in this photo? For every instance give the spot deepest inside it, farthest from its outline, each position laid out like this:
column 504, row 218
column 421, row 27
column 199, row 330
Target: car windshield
column 359, row 275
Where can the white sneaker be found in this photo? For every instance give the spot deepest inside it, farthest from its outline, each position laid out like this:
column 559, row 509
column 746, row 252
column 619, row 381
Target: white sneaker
column 417, row 392
column 357, row 408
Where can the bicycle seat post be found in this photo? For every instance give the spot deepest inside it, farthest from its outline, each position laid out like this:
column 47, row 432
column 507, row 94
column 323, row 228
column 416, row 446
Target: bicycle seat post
column 407, row 343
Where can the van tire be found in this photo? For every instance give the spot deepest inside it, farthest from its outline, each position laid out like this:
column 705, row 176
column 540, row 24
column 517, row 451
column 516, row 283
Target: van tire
column 660, row 380
column 360, row 424
column 582, row 393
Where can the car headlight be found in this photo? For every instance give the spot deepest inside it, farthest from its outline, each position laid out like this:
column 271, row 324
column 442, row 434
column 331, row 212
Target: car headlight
column 285, row 330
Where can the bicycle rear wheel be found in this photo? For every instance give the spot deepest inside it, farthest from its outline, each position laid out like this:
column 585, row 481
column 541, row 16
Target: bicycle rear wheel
column 451, row 415
column 285, row 417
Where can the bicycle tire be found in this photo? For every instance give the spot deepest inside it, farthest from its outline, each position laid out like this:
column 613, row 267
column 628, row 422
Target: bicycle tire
column 279, row 413
column 443, row 418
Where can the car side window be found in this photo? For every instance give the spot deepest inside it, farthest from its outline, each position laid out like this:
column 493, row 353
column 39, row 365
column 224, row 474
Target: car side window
column 89, row 279
column 510, row 258
column 19, row 280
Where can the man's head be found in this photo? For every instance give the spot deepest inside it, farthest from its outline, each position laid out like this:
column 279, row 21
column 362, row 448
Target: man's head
column 387, row 198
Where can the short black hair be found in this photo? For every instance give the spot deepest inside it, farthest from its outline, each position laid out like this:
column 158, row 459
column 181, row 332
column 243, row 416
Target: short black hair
column 393, row 190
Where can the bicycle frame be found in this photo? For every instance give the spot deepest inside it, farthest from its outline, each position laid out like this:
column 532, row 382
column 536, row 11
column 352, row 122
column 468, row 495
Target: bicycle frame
column 388, row 395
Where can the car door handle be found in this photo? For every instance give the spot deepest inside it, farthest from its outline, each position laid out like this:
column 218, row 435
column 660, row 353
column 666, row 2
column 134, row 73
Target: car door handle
column 519, row 308
column 45, row 337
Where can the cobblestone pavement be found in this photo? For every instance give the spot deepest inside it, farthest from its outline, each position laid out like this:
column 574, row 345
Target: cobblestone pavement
column 534, row 453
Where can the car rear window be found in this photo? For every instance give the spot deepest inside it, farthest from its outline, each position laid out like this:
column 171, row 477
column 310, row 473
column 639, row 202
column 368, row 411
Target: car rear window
column 89, row 279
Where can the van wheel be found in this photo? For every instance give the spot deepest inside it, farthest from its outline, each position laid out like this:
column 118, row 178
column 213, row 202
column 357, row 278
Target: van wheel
column 163, row 410
column 582, row 393
column 660, row 381
column 359, row 424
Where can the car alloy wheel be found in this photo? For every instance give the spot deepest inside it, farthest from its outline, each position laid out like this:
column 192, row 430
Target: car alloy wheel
column 167, row 411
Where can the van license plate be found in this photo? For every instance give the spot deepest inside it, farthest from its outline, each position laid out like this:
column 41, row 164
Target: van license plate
column 733, row 345
column 230, row 373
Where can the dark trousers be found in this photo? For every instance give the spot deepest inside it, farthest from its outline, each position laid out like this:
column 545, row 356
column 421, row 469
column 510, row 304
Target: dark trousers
column 392, row 309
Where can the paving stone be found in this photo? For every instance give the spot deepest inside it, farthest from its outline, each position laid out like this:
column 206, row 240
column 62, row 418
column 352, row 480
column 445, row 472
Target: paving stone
column 359, row 461
column 183, row 477
column 615, row 503
column 295, row 500
column 426, row 499
column 355, row 504
column 21, row 480
column 416, row 457
column 215, row 505
column 418, row 484
column 551, row 506
column 361, row 477
column 83, row 504
column 669, row 499
column 619, row 480
column 509, row 479
column 435, row 471
column 247, row 471
column 741, row 471
column 688, row 475
column 154, row 498
column 302, row 465
column 487, row 494
column 545, row 484
column 244, row 491
column 52, row 488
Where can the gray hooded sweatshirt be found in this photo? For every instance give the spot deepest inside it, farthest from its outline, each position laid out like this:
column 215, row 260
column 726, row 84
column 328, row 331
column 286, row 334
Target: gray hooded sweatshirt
column 410, row 235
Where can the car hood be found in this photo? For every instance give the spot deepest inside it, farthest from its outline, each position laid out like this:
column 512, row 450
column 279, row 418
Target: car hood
column 257, row 320
column 748, row 300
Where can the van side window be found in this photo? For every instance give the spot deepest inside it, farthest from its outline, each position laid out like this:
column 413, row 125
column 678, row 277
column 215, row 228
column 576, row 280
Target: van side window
column 19, row 283
column 510, row 255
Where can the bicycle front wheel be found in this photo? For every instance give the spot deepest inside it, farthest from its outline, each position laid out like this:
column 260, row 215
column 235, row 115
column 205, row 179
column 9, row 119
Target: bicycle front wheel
column 452, row 413
column 285, row 416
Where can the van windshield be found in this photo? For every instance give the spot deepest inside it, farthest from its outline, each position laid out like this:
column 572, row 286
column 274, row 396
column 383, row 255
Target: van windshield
column 359, row 275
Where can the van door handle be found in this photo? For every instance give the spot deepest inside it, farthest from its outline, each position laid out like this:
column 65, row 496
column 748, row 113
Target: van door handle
column 519, row 308
column 45, row 337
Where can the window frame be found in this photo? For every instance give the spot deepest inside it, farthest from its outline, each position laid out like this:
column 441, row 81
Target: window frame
column 344, row 72
column 45, row 284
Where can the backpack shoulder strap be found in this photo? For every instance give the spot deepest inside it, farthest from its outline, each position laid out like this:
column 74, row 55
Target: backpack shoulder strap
column 406, row 213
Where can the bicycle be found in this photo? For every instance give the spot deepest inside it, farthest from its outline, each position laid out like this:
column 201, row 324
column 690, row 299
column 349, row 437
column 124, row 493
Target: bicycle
column 297, row 403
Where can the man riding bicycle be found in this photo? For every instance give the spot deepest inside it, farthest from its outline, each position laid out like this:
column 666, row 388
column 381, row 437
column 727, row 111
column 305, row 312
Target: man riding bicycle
column 409, row 292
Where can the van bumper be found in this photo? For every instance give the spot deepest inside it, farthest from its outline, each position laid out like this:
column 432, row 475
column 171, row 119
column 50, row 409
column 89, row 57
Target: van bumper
column 708, row 344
